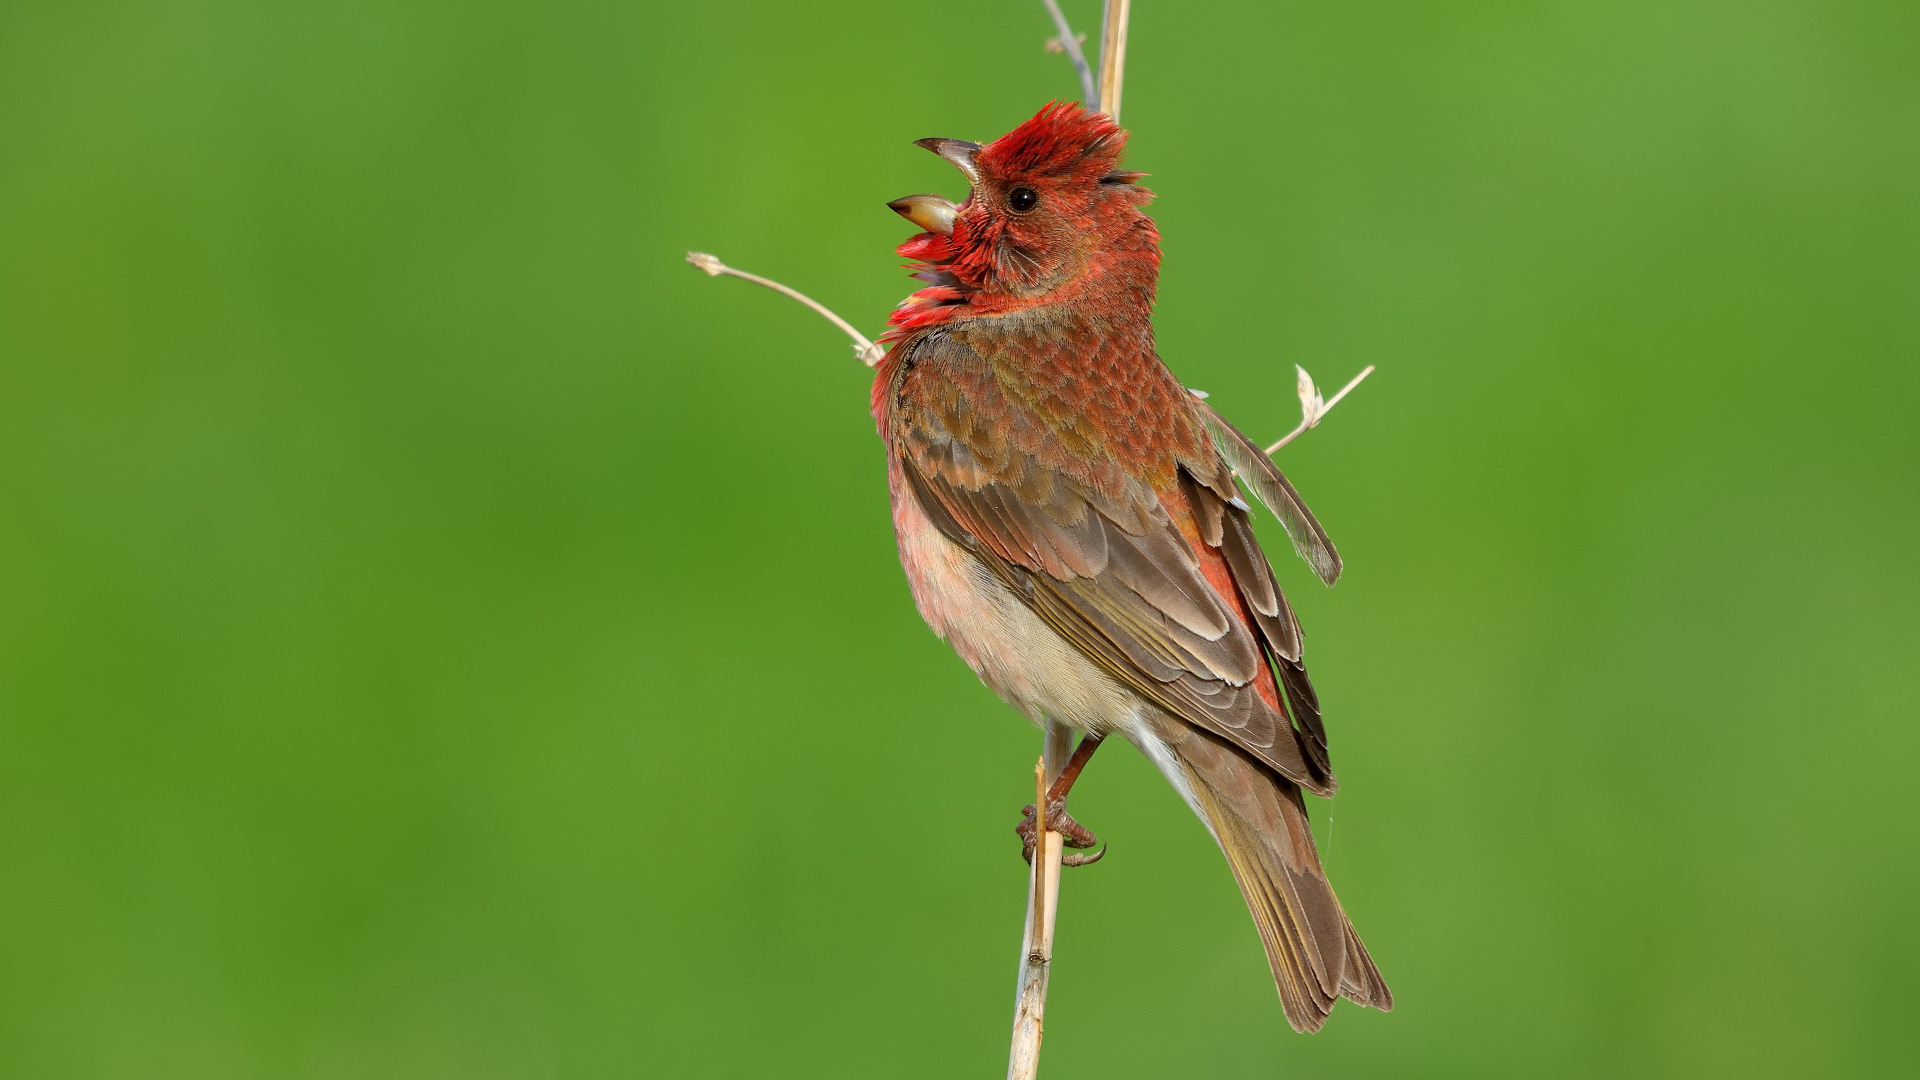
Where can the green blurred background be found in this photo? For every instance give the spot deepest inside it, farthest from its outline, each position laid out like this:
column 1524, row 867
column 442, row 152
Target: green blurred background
column 444, row 635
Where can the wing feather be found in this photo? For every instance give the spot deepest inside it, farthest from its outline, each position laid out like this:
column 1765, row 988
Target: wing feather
column 1270, row 486
column 1106, row 564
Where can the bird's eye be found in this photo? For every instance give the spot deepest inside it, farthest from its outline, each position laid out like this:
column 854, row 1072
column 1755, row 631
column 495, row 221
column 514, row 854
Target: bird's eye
column 1022, row 199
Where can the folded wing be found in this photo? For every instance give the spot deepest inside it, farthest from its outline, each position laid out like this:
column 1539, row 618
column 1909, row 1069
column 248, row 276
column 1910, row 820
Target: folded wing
column 1161, row 584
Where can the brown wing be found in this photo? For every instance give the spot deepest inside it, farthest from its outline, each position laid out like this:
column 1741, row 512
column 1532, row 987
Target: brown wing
column 1270, row 486
column 1165, row 588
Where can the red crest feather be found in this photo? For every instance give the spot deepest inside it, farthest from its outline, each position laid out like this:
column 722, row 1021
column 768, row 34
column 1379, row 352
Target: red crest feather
column 1062, row 140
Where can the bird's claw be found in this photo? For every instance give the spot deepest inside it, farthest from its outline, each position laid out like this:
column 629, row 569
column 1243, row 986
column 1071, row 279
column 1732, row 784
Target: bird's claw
column 1084, row 860
column 1074, row 834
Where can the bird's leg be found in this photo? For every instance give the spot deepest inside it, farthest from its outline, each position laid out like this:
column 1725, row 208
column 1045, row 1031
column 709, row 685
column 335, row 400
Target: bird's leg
column 1072, row 832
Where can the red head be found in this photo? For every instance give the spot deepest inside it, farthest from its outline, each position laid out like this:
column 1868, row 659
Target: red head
column 1052, row 218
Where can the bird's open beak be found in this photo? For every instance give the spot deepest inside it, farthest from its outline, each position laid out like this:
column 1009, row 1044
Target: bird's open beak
column 934, row 213
column 958, row 151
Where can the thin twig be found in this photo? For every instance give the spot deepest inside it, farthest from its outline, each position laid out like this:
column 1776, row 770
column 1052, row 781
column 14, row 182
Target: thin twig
column 1070, row 44
column 1113, row 56
column 1023, row 1062
column 1312, row 408
column 1040, row 831
column 1043, row 910
column 867, row 351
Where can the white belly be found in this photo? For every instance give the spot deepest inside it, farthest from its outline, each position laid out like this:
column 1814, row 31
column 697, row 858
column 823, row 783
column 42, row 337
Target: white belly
column 1032, row 668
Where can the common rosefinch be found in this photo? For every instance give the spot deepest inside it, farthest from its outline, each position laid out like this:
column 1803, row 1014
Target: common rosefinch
column 1068, row 521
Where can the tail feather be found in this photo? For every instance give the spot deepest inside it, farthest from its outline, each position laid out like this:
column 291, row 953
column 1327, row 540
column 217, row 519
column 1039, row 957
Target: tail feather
column 1363, row 985
column 1260, row 821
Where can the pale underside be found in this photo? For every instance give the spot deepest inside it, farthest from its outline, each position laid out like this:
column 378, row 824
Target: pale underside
column 1020, row 657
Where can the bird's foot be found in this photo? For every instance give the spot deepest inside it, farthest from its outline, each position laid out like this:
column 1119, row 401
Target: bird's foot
column 1072, row 832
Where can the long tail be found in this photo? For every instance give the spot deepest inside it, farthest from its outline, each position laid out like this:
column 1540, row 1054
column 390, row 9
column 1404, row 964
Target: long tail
column 1261, row 824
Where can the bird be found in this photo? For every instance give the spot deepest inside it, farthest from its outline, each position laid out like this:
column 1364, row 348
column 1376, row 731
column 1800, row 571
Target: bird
column 1068, row 518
